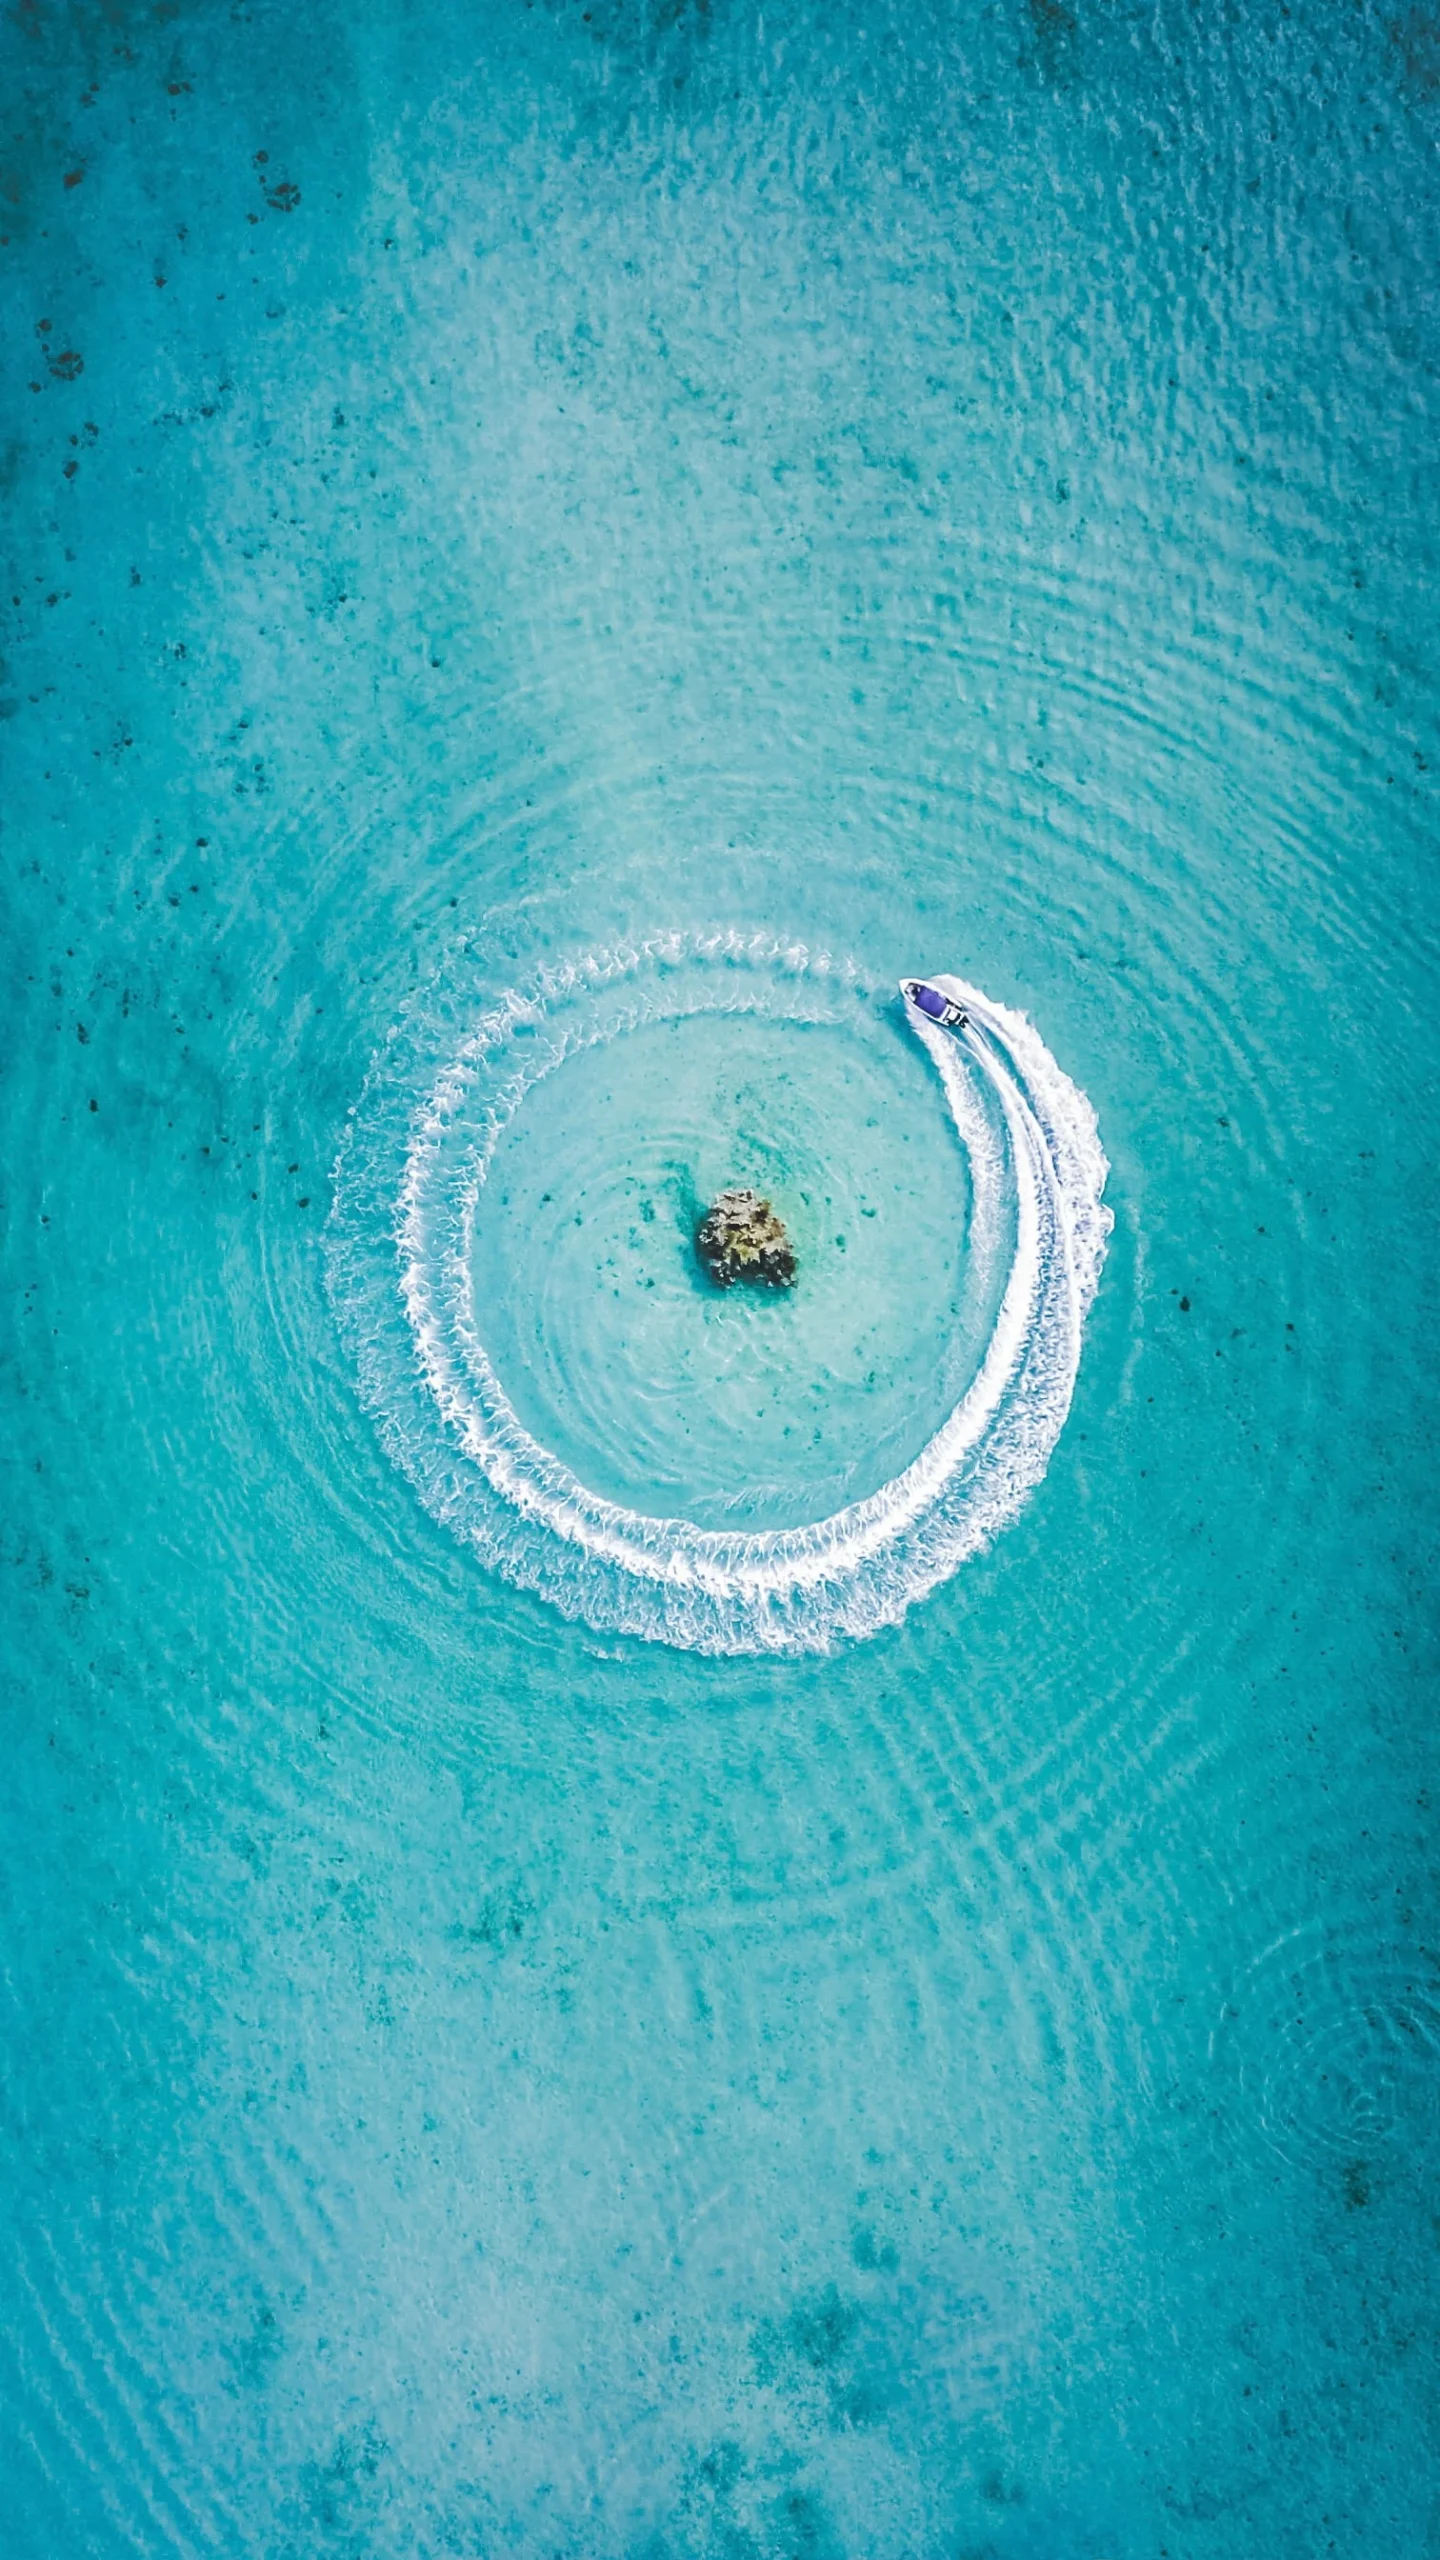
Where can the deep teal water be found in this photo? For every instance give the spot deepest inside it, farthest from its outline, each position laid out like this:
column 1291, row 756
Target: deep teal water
column 956, row 487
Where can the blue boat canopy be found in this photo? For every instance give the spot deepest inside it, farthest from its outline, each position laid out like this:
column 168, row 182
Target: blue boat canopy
column 929, row 1000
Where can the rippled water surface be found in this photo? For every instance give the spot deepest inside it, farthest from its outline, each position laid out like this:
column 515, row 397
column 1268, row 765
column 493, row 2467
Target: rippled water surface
column 614, row 1947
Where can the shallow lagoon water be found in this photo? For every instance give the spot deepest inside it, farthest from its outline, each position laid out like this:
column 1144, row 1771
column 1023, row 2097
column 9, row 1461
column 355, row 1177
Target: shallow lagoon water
column 660, row 1387
column 952, row 489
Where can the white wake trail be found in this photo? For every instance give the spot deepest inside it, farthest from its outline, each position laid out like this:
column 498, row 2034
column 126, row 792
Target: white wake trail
column 408, row 1186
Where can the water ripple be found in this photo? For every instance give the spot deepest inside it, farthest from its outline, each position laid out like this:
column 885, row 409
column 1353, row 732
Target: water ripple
column 1333, row 2036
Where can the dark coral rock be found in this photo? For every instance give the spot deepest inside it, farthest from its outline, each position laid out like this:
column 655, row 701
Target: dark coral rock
column 741, row 1238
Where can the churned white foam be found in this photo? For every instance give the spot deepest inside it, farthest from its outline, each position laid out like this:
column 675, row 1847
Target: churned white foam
column 410, row 1181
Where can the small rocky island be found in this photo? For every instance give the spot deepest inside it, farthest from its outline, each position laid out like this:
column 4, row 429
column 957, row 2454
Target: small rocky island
column 741, row 1238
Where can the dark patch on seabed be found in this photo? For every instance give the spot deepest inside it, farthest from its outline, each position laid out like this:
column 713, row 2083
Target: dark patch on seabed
column 1416, row 36
column 1054, row 30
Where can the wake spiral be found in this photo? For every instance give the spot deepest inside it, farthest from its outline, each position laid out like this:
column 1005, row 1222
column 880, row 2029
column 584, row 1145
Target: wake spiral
column 449, row 1092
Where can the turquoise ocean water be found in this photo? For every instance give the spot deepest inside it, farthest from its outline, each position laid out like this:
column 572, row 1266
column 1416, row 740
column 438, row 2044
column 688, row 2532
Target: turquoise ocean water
column 678, row 515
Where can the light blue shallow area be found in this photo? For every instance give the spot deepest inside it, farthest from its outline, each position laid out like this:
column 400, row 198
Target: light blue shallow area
column 666, row 1393
column 956, row 485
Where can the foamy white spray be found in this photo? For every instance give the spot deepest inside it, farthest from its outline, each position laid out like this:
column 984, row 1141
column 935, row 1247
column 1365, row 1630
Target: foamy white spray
column 407, row 1184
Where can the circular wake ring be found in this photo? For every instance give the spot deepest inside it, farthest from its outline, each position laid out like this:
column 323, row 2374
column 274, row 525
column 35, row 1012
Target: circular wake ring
column 1037, row 1171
